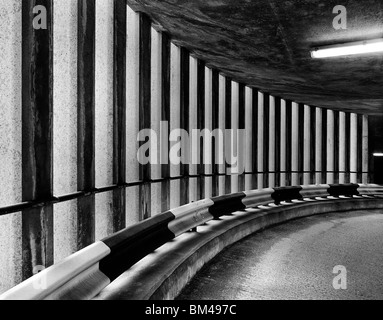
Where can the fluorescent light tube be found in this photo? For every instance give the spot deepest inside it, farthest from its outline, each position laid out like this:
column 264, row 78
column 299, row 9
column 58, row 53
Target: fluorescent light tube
column 378, row 154
column 347, row 49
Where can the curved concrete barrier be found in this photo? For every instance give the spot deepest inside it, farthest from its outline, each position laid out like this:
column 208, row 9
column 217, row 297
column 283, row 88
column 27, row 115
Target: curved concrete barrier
column 157, row 257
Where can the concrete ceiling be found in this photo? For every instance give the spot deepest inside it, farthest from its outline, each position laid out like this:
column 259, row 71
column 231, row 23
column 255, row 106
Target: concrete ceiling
column 266, row 44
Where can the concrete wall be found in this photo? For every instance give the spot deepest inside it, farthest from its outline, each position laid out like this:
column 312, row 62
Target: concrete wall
column 104, row 115
column 65, row 125
column 10, row 141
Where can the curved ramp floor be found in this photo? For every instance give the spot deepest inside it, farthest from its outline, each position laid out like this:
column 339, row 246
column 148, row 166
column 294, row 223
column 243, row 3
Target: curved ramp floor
column 296, row 261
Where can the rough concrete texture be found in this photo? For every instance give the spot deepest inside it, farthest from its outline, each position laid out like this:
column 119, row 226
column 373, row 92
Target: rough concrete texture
column 65, row 230
column 132, row 96
column 104, row 115
column 104, row 93
column 10, row 141
column 156, row 199
column 132, row 206
column 104, row 214
column 266, row 44
column 296, row 261
column 65, row 125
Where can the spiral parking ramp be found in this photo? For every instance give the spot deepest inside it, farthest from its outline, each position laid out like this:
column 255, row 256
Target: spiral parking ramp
column 157, row 257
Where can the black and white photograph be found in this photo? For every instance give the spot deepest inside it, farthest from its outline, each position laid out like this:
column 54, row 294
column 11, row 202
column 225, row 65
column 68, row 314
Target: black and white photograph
column 192, row 156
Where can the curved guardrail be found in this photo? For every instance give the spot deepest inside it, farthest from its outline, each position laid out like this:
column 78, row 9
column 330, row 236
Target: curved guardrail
column 85, row 274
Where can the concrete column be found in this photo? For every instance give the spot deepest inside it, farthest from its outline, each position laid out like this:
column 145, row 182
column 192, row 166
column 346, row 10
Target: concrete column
column 283, row 144
column 307, row 146
column 222, row 125
column 208, row 147
column 132, row 119
column 295, row 144
column 354, row 148
column 65, row 126
column 330, row 147
column 318, row 145
column 234, row 126
column 156, row 116
column 260, row 138
column 10, row 141
column 342, row 147
column 272, row 142
column 365, row 150
column 193, row 126
column 249, row 138
column 104, row 116
column 175, row 118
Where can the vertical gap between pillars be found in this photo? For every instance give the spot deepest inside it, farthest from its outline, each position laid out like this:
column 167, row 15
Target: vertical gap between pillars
column 360, row 149
column 324, row 146
column 119, row 114
column 336, row 148
column 37, row 143
column 266, row 134
column 255, row 138
column 277, row 156
column 288, row 142
column 301, row 144
column 86, row 122
column 144, row 110
column 228, row 150
column 165, row 118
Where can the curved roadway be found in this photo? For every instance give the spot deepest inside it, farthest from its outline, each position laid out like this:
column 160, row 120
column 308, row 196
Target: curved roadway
column 296, row 261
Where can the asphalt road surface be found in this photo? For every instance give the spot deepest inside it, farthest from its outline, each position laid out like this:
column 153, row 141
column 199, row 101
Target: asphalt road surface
column 296, row 261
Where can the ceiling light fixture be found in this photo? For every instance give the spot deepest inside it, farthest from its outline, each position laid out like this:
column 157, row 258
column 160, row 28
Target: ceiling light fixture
column 347, row 49
column 378, row 154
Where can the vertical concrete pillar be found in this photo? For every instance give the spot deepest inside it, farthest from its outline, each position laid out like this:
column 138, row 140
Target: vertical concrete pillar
column 193, row 126
column 365, row 150
column 342, row 148
column 272, row 142
column 354, row 148
column 222, row 125
column 307, row 146
column 201, row 126
column 330, row 147
column 216, row 152
column 261, row 110
column 104, row 116
column 10, row 141
column 155, row 121
column 249, row 138
column 283, row 159
column 208, row 126
column 175, row 119
column 318, row 146
column 132, row 119
column 234, row 126
column 241, row 137
column 65, row 125
column 184, row 125
column 295, row 144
